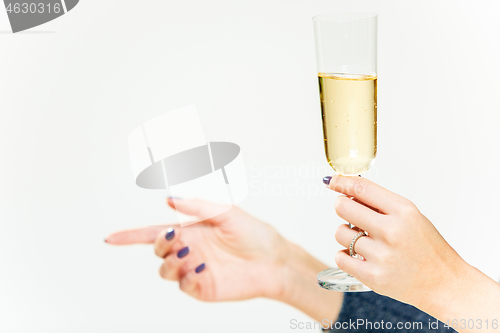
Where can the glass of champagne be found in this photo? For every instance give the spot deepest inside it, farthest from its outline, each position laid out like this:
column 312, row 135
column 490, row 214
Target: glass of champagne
column 346, row 53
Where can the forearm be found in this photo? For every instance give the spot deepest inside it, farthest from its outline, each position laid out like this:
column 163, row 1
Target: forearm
column 469, row 303
column 302, row 291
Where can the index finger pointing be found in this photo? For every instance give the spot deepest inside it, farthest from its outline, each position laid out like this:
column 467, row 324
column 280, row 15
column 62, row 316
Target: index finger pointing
column 145, row 235
column 367, row 192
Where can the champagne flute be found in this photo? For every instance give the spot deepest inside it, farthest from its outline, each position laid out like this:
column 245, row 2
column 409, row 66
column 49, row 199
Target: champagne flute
column 346, row 53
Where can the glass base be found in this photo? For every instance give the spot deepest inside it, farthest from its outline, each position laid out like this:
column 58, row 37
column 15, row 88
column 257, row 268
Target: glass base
column 335, row 279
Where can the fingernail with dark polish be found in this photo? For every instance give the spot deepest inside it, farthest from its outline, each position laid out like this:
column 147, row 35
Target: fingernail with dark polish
column 183, row 252
column 170, row 234
column 200, row 268
column 326, row 180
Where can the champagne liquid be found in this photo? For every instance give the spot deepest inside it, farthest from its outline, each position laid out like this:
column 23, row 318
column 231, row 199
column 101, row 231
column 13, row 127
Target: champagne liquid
column 349, row 108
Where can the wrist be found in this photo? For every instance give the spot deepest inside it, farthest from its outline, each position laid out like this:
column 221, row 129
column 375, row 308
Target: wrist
column 300, row 288
column 466, row 293
column 298, row 273
column 449, row 283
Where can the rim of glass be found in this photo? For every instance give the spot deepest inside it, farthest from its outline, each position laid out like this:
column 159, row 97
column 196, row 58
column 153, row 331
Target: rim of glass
column 344, row 17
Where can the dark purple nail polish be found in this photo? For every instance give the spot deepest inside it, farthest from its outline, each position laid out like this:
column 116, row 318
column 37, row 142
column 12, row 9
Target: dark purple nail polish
column 183, row 252
column 326, row 180
column 200, row 268
column 170, row 234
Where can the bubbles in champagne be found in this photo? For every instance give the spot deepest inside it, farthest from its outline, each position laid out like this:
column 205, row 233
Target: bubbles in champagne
column 349, row 109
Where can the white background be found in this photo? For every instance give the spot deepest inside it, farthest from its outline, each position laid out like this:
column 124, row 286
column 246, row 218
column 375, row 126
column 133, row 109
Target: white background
column 73, row 89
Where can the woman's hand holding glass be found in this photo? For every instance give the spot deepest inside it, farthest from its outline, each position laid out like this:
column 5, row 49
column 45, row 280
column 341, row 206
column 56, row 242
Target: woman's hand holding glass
column 405, row 257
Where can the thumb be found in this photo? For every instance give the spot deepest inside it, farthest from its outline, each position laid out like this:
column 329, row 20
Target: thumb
column 201, row 209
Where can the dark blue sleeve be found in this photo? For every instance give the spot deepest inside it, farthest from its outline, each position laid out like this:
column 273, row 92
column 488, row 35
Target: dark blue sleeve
column 370, row 312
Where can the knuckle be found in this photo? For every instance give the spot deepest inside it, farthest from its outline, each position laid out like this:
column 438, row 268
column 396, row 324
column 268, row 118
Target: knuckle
column 406, row 207
column 169, row 269
column 392, row 235
column 373, row 274
column 338, row 234
column 361, row 186
column 388, row 262
column 158, row 252
column 163, row 272
column 340, row 204
column 380, row 278
column 340, row 260
column 185, row 268
column 159, row 244
column 337, row 187
column 185, row 285
column 384, row 257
